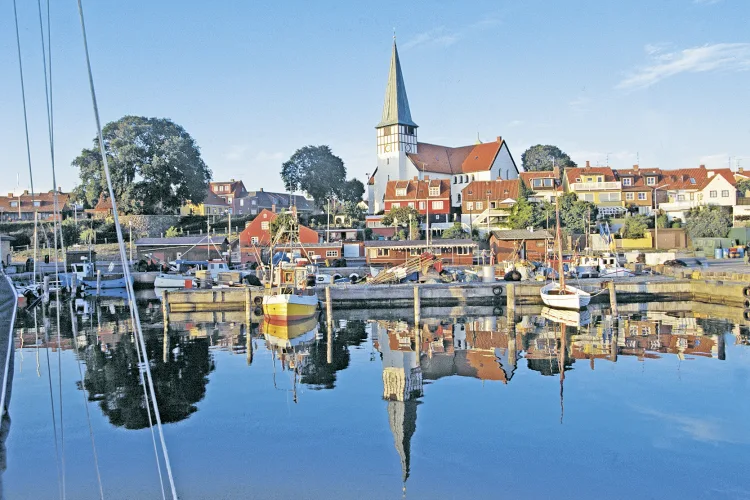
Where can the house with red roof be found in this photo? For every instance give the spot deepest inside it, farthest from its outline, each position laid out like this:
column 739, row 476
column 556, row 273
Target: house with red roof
column 598, row 185
column 430, row 197
column 400, row 156
column 545, row 185
column 487, row 204
column 642, row 188
column 693, row 187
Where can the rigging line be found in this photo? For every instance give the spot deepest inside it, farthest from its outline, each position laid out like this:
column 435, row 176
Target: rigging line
column 56, row 214
column 74, row 329
column 148, row 410
column 123, row 257
column 54, row 420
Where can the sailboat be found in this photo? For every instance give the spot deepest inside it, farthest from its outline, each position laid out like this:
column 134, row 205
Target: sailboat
column 559, row 294
column 290, row 302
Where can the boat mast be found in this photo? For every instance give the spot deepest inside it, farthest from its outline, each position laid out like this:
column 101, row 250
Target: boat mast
column 558, row 237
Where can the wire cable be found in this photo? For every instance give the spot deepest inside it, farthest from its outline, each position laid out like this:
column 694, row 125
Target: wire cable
column 123, row 257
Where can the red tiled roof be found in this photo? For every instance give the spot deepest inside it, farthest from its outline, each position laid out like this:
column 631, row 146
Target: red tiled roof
column 680, row 179
column 545, row 174
column 462, row 159
column 235, row 187
column 497, row 190
column 638, row 176
column 417, row 189
column 46, row 202
column 573, row 173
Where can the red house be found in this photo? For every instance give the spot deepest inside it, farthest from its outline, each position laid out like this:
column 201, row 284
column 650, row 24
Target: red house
column 428, row 196
column 257, row 235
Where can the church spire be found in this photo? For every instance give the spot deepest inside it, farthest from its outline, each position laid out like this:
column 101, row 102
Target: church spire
column 396, row 105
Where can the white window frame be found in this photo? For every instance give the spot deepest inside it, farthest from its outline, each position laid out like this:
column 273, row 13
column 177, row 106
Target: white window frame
column 401, row 192
column 725, row 193
column 434, row 191
column 650, row 181
column 395, row 205
column 642, row 196
column 629, row 196
column 437, row 205
column 265, row 225
column 332, row 253
column 469, row 205
column 627, row 181
column 479, row 205
column 713, row 194
column 254, row 240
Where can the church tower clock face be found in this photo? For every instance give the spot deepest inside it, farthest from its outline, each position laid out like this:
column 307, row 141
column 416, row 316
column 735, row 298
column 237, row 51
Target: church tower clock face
column 387, row 148
column 408, row 148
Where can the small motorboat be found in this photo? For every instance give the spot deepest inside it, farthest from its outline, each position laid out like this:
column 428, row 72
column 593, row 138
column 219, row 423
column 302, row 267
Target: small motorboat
column 564, row 296
column 164, row 280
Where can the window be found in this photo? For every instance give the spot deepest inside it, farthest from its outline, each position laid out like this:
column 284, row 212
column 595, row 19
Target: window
column 395, row 205
column 455, row 179
column 469, row 205
column 411, row 204
column 712, row 194
column 578, row 179
column 13, row 203
column 435, row 191
column 493, row 204
column 254, row 240
column 650, row 181
column 629, row 196
column 725, row 193
column 401, row 192
column 480, row 205
column 242, row 203
column 642, row 196
column 549, row 183
column 600, row 179
column 332, row 253
column 415, row 251
column 254, row 202
column 680, row 197
column 627, row 181
column 437, row 205
column 692, row 195
column 38, row 203
column 588, row 197
column 692, row 180
column 422, row 204
column 536, row 183
column 384, row 252
column 264, row 225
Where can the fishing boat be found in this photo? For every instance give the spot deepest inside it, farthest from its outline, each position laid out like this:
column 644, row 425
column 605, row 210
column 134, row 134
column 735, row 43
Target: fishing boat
column 558, row 294
column 609, row 267
column 288, row 300
column 292, row 334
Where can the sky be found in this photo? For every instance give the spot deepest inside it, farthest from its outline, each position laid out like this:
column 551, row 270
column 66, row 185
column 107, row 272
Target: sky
column 663, row 84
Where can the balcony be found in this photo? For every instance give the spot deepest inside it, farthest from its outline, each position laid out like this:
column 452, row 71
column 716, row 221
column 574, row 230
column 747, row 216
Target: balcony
column 596, row 186
column 742, row 200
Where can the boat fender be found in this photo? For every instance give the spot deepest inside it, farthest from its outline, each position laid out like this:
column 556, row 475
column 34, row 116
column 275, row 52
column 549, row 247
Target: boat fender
column 747, row 303
column 497, row 290
column 746, row 291
column 258, row 311
column 746, row 314
column 497, row 311
column 258, row 300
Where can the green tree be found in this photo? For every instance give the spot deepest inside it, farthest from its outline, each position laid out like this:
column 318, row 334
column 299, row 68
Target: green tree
column 351, row 191
column 575, row 214
column 743, row 186
column 662, row 221
column 88, row 236
column 401, row 217
column 521, row 214
column 319, row 173
column 543, row 157
column 635, row 226
column 154, row 163
column 543, row 215
column 70, row 231
column 456, row 231
column 172, row 232
column 708, row 222
column 353, row 211
column 285, row 222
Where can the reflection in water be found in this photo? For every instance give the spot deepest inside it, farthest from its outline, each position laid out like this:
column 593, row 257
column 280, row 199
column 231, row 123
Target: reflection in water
column 489, row 349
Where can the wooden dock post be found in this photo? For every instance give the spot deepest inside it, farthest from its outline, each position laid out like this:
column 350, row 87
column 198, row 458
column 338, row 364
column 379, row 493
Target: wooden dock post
column 248, row 308
column 249, row 345
column 511, row 304
column 613, row 299
column 98, row 281
column 329, row 306
column 329, row 323
column 46, row 289
column 165, row 307
column 417, row 306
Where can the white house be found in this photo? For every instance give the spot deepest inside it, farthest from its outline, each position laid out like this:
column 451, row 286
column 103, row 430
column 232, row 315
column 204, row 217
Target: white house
column 693, row 187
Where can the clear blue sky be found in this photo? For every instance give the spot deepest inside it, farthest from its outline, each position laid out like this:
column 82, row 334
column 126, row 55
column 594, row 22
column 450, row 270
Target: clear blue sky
column 253, row 81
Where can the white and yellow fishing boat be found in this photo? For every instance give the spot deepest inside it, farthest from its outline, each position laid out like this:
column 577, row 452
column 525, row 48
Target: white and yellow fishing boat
column 291, row 334
column 288, row 308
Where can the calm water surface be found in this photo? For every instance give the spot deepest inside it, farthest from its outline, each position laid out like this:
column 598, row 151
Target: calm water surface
column 654, row 406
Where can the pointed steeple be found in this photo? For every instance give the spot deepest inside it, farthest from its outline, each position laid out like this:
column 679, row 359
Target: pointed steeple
column 396, row 105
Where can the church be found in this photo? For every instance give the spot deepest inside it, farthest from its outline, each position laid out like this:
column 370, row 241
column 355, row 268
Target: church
column 400, row 156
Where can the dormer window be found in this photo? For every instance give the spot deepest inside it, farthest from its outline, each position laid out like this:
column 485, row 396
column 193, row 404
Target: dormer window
column 651, row 181
column 37, row 203
column 627, row 181
column 13, row 203
column 692, row 180
column 401, row 192
column 435, row 191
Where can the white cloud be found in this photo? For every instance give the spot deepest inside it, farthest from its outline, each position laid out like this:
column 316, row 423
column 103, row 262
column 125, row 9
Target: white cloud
column 437, row 37
column 265, row 156
column 716, row 57
column 699, row 429
column 236, row 153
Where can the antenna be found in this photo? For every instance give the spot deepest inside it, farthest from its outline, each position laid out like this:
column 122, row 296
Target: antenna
column 394, row 33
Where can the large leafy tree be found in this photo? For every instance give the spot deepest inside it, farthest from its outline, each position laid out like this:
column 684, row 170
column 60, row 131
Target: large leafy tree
column 708, row 222
column 155, row 165
column 635, row 226
column 544, row 157
column 321, row 174
column 286, row 222
column 406, row 217
column 455, row 231
column 521, row 214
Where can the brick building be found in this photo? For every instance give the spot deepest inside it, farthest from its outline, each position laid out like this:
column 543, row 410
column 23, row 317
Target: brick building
column 393, row 253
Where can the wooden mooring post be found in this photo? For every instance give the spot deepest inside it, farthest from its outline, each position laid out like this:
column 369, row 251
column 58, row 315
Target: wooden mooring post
column 165, row 307
column 248, row 308
column 510, row 306
column 329, row 323
column 417, row 307
column 613, row 299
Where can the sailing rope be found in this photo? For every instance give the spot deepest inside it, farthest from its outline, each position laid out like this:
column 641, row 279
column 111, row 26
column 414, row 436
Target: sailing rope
column 58, row 460
column 123, row 256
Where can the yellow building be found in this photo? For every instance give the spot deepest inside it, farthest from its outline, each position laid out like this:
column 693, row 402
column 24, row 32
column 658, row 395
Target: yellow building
column 597, row 185
column 212, row 205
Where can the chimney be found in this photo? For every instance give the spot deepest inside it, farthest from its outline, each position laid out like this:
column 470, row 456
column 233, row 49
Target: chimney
column 499, row 139
column 587, row 164
column 416, row 177
column 556, row 171
column 10, row 195
column 231, row 180
column 261, row 190
column 427, row 177
column 25, row 191
column 635, row 168
column 273, row 208
column 702, row 166
column 740, row 170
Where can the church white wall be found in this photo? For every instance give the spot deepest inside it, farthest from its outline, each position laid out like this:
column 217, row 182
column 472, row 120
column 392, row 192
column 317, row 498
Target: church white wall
column 503, row 166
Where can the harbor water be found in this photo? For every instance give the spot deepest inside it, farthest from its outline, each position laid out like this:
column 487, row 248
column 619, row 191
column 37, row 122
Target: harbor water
column 457, row 406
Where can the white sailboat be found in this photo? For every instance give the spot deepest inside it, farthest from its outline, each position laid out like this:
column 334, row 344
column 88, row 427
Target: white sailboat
column 560, row 295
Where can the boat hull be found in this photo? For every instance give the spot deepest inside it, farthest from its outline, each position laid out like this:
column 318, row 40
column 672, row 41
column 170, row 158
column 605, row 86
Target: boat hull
column 107, row 283
column 173, row 281
column 575, row 299
column 286, row 309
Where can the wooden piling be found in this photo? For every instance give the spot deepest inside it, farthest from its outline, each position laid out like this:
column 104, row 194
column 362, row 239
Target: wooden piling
column 329, row 323
column 165, row 307
column 417, row 306
column 511, row 304
column 613, row 299
column 46, row 289
column 329, row 305
column 248, row 308
column 98, row 281
column 249, row 345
